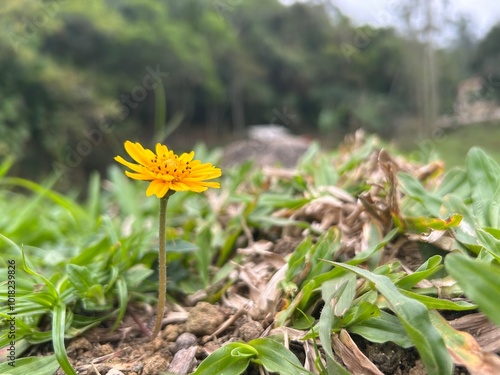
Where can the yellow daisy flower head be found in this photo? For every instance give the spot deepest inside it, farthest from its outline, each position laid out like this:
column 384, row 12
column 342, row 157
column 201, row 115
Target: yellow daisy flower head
column 167, row 171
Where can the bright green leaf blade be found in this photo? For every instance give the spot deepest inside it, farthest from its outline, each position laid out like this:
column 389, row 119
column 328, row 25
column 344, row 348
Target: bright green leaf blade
column 6, row 164
column 276, row 200
column 453, row 182
column 244, row 350
column 47, row 365
column 491, row 244
column 181, row 246
column 58, row 330
column 484, row 178
column 332, row 293
column 121, row 288
column 203, row 241
column 360, row 312
column 381, row 329
column 222, row 362
column 414, row 189
column 439, row 303
column 428, row 268
column 276, row 358
column 480, row 282
column 415, row 318
column 80, row 277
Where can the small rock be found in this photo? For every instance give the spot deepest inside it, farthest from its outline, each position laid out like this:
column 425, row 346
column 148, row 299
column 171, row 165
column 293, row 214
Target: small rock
column 171, row 332
column 183, row 361
column 184, row 341
column 79, row 345
column 204, row 319
column 154, row 365
column 114, row 371
column 103, row 350
column 250, row 330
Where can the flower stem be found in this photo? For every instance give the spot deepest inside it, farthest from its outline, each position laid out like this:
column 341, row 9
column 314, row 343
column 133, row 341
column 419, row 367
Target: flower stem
column 162, row 266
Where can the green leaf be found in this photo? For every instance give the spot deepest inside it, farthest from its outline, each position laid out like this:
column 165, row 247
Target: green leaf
column 439, row 303
column 54, row 295
column 282, row 201
column 204, row 241
column 428, row 268
column 362, row 311
column 424, row 223
column 264, row 221
column 121, row 288
column 228, row 246
column 181, row 246
column 484, row 178
column 297, row 260
column 223, row 362
column 325, row 174
column 276, row 358
column 58, row 331
column 46, row 365
column 338, row 295
column 415, row 318
column 480, row 282
column 453, row 181
column 6, row 164
column 414, row 189
column 85, row 283
column 381, row 329
column 490, row 243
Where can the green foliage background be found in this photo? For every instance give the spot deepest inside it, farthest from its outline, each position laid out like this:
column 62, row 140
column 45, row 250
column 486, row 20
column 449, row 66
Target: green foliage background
column 68, row 67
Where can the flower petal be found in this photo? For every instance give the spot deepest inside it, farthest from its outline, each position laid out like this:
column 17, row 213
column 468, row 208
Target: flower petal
column 185, row 157
column 134, row 167
column 163, row 190
column 138, row 176
column 153, row 187
column 138, row 153
column 161, row 150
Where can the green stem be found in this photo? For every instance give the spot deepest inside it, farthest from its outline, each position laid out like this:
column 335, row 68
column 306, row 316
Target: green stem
column 162, row 266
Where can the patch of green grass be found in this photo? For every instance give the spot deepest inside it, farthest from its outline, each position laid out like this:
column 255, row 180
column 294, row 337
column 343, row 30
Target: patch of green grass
column 452, row 145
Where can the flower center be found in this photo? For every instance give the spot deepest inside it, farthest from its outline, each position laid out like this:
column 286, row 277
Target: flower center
column 165, row 165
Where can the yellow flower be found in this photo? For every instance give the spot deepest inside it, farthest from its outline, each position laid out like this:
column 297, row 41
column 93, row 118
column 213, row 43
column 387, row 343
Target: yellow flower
column 168, row 171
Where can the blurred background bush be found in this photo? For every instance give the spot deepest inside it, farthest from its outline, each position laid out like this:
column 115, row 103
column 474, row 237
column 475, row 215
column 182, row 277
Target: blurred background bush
column 77, row 78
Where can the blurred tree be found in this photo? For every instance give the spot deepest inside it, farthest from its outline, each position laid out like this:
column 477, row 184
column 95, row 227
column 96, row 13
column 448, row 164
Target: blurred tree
column 79, row 74
column 419, row 18
column 486, row 62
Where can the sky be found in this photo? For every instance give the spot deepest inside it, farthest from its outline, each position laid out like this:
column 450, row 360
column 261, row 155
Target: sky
column 483, row 14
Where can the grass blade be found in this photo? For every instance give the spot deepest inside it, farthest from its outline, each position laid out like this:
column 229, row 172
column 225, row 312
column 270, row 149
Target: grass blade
column 479, row 282
column 46, row 365
column 276, row 358
column 222, row 361
column 58, row 329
